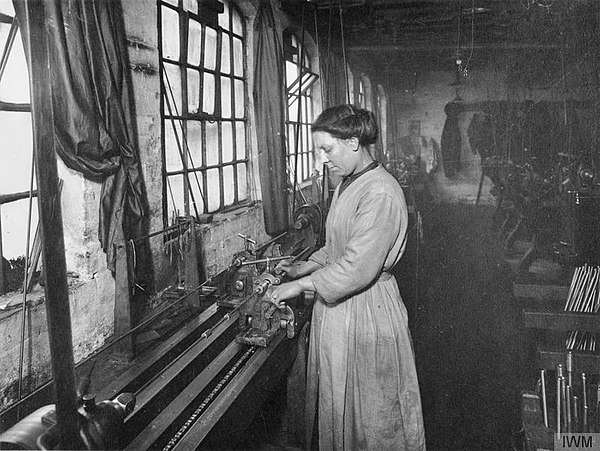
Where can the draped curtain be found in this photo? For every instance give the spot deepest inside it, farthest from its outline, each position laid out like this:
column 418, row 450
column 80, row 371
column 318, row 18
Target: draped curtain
column 270, row 119
column 333, row 79
column 91, row 95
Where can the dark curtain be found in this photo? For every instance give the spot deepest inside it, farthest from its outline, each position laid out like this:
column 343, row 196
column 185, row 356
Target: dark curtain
column 333, row 79
column 270, row 120
column 91, row 95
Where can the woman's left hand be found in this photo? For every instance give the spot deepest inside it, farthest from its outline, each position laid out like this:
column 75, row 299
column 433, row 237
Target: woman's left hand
column 285, row 291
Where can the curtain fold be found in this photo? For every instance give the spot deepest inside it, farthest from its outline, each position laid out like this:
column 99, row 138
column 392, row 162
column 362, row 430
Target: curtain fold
column 91, row 100
column 270, row 119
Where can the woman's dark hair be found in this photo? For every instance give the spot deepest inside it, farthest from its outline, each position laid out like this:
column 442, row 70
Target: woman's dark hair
column 348, row 121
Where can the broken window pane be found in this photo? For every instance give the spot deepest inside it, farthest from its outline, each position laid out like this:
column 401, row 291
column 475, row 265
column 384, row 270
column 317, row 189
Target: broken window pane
column 191, row 6
column 224, row 18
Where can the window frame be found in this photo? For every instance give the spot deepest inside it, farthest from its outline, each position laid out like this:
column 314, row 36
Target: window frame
column 178, row 121
column 295, row 50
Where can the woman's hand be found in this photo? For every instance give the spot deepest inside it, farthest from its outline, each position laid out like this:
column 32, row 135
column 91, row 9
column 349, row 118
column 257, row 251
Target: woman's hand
column 285, row 291
column 297, row 269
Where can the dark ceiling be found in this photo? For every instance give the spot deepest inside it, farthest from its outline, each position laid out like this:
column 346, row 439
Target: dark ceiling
column 389, row 34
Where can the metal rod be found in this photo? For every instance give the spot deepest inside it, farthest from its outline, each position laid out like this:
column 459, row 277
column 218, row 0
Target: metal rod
column 544, row 401
column 563, row 402
column 25, row 274
column 585, row 404
column 568, row 408
column 570, row 368
column 575, row 418
column 265, row 260
column 558, row 404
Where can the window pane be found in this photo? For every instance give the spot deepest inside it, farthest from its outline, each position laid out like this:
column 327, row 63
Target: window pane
column 210, row 49
column 240, row 140
column 213, row 193
column 193, row 88
column 237, row 22
column 194, row 42
column 228, row 185
column 291, row 73
column 172, row 2
column 208, row 94
column 225, row 97
column 239, row 98
column 173, row 89
column 224, row 18
column 170, row 34
column 191, row 6
column 17, row 143
column 242, row 186
column 238, row 57
column 6, row 7
column 227, row 131
column 293, row 110
column 12, row 87
column 194, row 141
column 225, row 55
column 14, row 226
column 175, row 194
column 212, row 143
column 197, row 191
column 172, row 155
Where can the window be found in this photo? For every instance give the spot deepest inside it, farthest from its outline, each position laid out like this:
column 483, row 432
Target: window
column 16, row 135
column 360, row 93
column 204, row 108
column 299, row 82
column 382, row 117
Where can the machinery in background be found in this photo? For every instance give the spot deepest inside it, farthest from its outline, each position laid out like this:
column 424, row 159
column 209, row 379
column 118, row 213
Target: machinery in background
column 203, row 386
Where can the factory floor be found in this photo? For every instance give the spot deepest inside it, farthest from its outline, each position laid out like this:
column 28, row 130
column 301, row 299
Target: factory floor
column 473, row 356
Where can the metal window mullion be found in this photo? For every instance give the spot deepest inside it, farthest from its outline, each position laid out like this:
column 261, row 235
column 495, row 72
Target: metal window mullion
column 204, row 173
column 220, row 150
column 232, row 98
column 183, row 51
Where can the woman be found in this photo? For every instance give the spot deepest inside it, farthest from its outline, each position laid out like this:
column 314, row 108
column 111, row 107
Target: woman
column 362, row 383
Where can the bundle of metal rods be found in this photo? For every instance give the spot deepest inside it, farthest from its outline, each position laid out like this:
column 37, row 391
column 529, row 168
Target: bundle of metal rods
column 584, row 296
column 573, row 413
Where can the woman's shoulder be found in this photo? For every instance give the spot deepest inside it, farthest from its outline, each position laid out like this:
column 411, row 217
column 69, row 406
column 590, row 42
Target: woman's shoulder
column 381, row 182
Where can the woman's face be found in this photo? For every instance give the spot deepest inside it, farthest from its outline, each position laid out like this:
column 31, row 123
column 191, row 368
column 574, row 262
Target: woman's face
column 340, row 155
